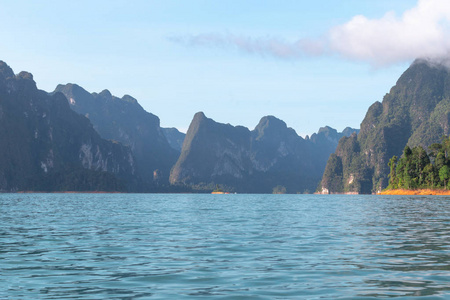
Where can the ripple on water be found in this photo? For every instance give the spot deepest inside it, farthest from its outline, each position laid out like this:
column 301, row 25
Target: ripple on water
column 125, row 246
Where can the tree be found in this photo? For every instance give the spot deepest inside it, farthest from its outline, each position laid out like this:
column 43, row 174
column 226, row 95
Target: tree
column 393, row 181
column 446, row 145
column 434, row 150
column 407, row 152
column 419, row 160
column 415, row 169
column 444, row 175
column 430, row 176
column 440, row 160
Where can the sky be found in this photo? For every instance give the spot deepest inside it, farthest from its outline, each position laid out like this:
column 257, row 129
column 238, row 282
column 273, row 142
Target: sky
column 309, row 63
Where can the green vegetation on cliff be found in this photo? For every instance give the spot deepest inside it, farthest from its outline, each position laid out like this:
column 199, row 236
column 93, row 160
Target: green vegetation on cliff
column 416, row 112
column 417, row 169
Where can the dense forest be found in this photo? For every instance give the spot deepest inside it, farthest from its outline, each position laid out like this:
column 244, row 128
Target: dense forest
column 419, row 169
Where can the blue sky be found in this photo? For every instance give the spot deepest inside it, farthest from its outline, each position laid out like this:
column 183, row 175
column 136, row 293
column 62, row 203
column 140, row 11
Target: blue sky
column 309, row 63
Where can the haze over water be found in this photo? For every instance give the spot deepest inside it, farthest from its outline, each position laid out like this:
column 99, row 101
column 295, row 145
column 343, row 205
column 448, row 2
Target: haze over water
column 139, row 246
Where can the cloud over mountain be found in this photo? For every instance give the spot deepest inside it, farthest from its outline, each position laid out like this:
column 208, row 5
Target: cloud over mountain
column 422, row 31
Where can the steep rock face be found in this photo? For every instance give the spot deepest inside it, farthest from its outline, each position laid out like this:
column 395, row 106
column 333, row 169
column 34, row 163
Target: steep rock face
column 125, row 121
column 174, row 137
column 273, row 141
column 212, row 150
column 415, row 112
column 325, row 142
column 46, row 146
column 252, row 161
column 281, row 158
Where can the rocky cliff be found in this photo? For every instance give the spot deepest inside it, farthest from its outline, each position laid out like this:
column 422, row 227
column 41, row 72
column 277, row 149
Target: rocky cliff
column 46, row 146
column 125, row 121
column 257, row 161
column 174, row 137
column 415, row 112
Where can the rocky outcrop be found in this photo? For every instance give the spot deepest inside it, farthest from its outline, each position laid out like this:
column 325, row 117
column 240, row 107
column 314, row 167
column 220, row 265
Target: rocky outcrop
column 270, row 156
column 125, row 121
column 46, row 146
column 225, row 154
column 415, row 112
column 174, row 137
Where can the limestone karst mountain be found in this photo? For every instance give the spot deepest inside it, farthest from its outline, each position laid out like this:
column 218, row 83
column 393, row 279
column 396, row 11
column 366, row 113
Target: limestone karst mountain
column 45, row 146
column 256, row 161
column 71, row 139
column 125, row 121
column 415, row 112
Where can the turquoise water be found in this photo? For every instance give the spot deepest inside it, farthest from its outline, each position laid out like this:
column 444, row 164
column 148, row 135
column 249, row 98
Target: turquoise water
column 121, row 246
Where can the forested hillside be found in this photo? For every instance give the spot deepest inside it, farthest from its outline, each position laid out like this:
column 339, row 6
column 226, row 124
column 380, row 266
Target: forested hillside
column 416, row 112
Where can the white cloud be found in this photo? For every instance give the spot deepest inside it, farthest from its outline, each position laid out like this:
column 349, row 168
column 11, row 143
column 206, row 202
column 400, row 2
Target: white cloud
column 421, row 32
column 266, row 46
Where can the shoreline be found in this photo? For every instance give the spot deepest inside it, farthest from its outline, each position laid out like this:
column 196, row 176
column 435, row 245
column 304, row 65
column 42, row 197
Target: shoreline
column 66, row 192
column 422, row 192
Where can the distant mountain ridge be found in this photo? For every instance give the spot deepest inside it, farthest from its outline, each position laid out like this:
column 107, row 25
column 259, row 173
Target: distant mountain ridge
column 252, row 161
column 415, row 112
column 45, row 146
column 125, row 121
column 73, row 140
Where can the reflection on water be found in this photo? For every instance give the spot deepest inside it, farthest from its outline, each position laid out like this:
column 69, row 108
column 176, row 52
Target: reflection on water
column 90, row 246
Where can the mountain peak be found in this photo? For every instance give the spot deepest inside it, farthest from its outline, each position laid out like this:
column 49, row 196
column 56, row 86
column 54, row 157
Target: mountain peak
column 443, row 62
column 128, row 98
column 25, row 75
column 5, row 70
column 199, row 117
column 106, row 94
column 249, row 161
column 272, row 119
column 125, row 121
column 71, row 91
column 269, row 126
column 424, row 71
column 55, row 149
column 327, row 130
column 415, row 113
column 348, row 131
column 270, row 122
column 72, row 86
column 27, row 79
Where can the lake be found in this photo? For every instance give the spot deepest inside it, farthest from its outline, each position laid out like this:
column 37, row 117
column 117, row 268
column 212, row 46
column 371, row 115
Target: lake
column 165, row 246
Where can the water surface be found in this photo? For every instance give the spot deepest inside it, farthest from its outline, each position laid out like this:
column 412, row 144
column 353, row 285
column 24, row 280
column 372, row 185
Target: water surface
column 141, row 246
